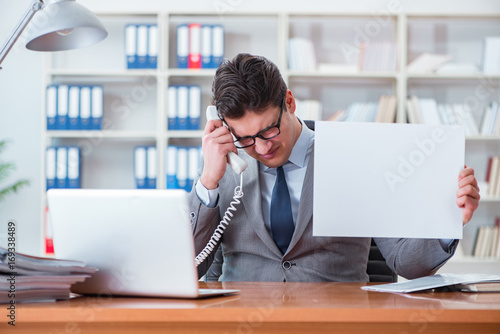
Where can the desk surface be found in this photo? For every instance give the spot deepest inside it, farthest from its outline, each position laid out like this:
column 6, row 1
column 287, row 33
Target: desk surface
column 268, row 308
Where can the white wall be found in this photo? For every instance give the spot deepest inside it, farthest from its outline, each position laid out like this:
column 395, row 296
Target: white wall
column 21, row 91
column 20, row 117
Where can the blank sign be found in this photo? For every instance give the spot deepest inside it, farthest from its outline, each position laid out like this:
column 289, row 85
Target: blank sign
column 387, row 180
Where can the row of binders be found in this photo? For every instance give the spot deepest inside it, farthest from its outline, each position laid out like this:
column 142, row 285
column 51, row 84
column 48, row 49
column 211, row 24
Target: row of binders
column 487, row 243
column 383, row 111
column 62, row 167
column 184, row 107
column 71, row 107
column 141, row 46
column 145, row 167
column 200, row 45
column 181, row 164
column 428, row 111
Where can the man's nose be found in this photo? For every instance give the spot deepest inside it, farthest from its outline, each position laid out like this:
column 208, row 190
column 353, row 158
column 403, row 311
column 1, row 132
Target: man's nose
column 262, row 146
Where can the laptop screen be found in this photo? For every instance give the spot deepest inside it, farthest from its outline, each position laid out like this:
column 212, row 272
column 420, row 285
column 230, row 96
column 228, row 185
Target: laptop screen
column 140, row 240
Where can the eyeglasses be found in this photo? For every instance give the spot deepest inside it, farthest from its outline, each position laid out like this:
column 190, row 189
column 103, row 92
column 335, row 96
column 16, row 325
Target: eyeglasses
column 265, row 134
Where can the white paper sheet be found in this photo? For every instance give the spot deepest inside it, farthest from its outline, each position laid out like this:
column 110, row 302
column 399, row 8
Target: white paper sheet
column 432, row 282
column 387, row 180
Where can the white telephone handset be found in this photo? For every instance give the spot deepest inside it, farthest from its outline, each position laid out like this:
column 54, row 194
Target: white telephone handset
column 237, row 164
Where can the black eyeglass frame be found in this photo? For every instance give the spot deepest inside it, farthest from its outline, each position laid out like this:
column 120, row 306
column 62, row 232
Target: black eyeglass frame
column 259, row 134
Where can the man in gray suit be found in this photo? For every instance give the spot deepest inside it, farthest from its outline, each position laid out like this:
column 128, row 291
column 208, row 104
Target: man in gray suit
column 260, row 242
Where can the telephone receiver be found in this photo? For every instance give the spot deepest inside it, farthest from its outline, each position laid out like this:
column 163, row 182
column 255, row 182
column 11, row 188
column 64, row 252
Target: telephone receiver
column 237, row 164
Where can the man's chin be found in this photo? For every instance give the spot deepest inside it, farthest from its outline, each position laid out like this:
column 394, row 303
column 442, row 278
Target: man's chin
column 273, row 163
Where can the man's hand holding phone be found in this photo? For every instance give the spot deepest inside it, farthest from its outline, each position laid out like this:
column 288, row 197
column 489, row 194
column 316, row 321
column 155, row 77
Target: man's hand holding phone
column 218, row 149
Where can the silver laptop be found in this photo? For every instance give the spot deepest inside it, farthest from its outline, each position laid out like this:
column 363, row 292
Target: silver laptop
column 140, row 241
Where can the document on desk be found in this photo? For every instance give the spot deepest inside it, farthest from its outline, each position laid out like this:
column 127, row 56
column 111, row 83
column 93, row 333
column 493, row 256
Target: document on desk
column 455, row 282
column 387, row 180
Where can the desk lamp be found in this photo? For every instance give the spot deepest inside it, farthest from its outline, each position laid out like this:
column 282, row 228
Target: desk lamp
column 67, row 25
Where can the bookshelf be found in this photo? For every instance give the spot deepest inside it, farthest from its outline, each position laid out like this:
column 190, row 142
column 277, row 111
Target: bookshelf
column 136, row 101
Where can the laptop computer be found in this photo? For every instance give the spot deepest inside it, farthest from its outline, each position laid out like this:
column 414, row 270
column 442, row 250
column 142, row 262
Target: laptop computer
column 140, row 241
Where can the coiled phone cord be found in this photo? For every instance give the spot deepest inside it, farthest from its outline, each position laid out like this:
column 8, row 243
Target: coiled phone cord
column 212, row 243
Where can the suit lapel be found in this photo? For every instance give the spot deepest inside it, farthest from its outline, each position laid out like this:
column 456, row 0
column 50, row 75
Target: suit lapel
column 305, row 213
column 252, row 204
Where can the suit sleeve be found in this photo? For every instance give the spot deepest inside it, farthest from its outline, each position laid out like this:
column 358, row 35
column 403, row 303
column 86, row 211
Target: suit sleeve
column 412, row 258
column 204, row 220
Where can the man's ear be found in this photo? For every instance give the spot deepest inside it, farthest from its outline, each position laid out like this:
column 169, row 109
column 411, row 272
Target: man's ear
column 290, row 102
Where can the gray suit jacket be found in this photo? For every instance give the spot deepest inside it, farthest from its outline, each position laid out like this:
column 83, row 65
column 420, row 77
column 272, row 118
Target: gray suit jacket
column 250, row 253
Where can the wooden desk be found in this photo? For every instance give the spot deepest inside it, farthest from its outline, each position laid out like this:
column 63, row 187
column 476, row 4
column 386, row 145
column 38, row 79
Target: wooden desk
column 268, row 308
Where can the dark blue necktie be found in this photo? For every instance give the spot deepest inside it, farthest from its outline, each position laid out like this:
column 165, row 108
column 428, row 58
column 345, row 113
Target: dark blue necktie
column 281, row 212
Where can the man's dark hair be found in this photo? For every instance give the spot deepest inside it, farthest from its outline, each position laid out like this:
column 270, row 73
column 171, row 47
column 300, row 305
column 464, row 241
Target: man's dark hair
column 247, row 82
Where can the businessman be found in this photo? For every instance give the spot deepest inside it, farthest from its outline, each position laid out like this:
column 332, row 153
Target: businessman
column 270, row 236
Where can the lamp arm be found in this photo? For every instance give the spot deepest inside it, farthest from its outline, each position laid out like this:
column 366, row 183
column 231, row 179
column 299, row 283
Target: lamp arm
column 35, row 6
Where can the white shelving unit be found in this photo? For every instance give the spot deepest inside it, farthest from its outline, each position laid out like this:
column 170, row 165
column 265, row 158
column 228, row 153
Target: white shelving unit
column 136, row 100
column 462, row 38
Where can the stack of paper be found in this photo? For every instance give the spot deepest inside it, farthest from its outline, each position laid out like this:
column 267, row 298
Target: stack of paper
column 427, row 62
column 25, row 278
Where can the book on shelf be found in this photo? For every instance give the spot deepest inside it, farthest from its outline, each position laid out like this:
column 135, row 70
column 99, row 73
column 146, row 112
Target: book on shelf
column 141, row 46
column 337, row 116
column 48, row 238
column 492, row 176
column 194, row 55
column 413, row 110
column 308, row 110
column 62, row 167
column 360, row 112
column 145, row 167
column 428, row 111
column 427, row 62
column 184, row 107
column 491, row 55
column 74, row 107
column 25, row 278
column 490, row 122
column 383, row 111
column 199, row 45
column 378, row 56
column 181, row 166
column 301, row 55
column 487, row 242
